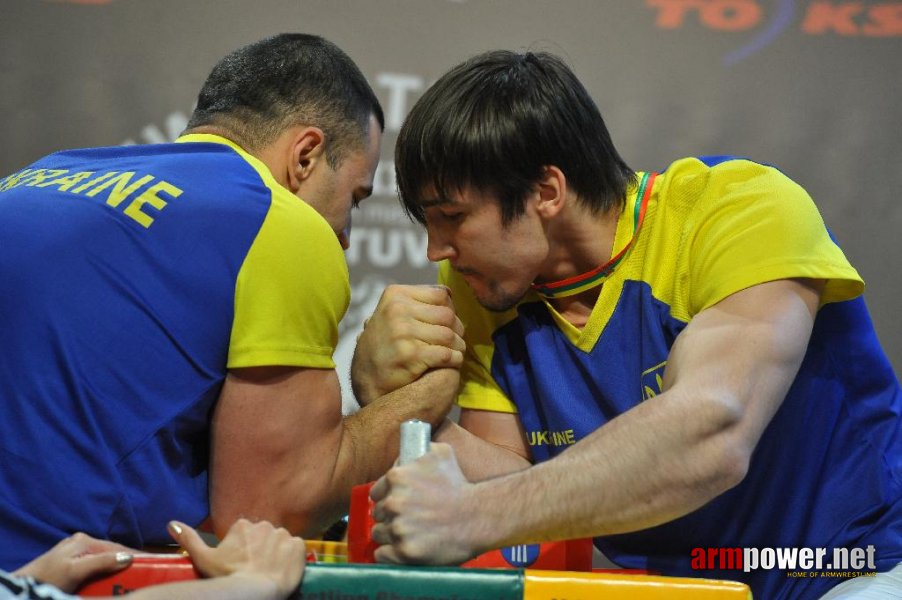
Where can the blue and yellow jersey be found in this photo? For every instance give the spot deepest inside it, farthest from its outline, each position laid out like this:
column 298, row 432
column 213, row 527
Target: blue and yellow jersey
column 133, row 279
column 828, row 469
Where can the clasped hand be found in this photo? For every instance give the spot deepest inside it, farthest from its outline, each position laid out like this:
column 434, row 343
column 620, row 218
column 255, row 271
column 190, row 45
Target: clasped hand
column 425, row 512
column 413, row 329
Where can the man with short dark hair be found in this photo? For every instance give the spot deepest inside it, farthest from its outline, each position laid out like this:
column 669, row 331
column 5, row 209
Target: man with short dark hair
column 685, row 355
column 169, row 314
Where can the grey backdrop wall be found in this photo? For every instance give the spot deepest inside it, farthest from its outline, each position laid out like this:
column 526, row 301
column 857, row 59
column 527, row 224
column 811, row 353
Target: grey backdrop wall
column 811, row 86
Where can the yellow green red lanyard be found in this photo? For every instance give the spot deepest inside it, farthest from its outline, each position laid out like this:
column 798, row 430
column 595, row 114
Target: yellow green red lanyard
column 586, row 281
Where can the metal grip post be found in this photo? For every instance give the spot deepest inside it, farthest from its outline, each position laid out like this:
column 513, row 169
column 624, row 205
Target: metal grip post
column 415, row 438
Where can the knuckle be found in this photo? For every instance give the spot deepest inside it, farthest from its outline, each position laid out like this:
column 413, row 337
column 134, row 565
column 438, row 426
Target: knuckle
column 281, row 532
column 392, row 308
column 447, row 316
column 392, row 531
column 378, row 533
column 429, row 356
column 403, row 330
column 408, row 551
column 392, row 506
column 448, row 336
column 413, row 368
column 393, row 477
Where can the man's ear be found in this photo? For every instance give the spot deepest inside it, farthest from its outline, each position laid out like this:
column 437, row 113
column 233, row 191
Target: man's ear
column 551, row 191
column 306, row 150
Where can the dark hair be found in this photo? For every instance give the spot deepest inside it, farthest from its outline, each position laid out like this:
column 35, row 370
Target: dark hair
column 495, row 122
column 259, row 90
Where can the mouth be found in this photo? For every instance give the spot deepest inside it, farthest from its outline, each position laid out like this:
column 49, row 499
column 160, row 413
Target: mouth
column 470, row 277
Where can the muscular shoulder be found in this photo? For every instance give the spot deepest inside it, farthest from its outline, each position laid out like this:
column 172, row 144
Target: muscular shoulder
column 732, row 223
column 695, row 182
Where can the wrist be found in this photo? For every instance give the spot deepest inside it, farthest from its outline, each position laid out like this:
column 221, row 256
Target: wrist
column 364, row 393
column 481, row 529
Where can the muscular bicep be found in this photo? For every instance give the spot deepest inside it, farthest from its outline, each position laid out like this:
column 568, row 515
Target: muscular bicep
column 746, row 350
column 275, row 436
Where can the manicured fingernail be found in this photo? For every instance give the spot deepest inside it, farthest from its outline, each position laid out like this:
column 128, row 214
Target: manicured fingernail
column 175, row 527
column 123, row 558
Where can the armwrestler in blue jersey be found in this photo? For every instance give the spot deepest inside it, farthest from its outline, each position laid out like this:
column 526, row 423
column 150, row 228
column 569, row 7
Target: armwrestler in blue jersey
column 683, row 355
column 168, row 315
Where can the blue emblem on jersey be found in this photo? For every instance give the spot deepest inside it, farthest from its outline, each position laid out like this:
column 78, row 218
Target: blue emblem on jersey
column 521, row 556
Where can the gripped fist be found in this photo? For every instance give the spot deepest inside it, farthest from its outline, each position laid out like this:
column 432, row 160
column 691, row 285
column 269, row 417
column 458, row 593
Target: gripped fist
column 413, row 329
column 422, row 512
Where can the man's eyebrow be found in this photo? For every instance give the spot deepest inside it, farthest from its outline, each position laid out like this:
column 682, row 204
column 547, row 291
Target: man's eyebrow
column 427, row 202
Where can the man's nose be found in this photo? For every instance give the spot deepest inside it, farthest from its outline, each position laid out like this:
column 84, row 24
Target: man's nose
column 438, row 247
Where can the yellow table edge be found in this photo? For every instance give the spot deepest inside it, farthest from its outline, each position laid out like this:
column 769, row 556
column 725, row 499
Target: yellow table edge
column 568, row 585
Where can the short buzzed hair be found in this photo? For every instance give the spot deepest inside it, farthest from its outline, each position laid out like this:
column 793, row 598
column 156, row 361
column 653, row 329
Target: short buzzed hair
column 258, row 91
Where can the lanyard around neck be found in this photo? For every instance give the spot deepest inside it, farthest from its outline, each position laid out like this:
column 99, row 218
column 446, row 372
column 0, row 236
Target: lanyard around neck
column 590, row 279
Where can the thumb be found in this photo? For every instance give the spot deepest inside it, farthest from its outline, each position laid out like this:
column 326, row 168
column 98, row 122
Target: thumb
column 190, row 540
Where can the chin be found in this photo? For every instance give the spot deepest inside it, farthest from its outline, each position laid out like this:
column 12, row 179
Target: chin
column 499, row 300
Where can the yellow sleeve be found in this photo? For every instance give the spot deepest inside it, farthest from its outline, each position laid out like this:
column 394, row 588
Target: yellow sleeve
column 292, row 290
column 478, row 388
column 752, row 224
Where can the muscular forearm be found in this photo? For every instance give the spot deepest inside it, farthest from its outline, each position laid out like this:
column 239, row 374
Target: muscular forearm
column 370, row 439
column 282, row 451
column 644, row 468
column 478, row 459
